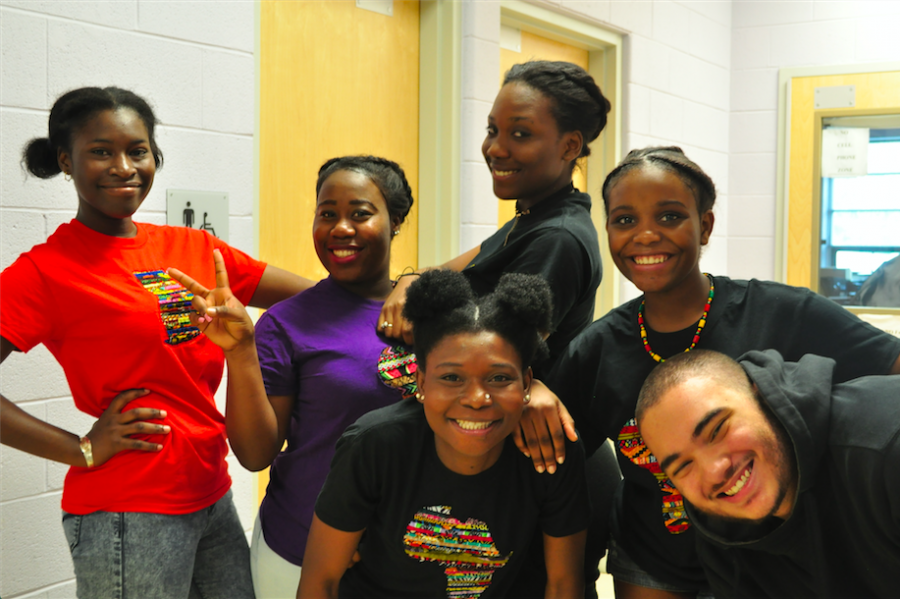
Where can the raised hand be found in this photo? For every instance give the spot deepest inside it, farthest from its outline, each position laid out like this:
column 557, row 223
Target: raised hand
column 112, row 432
column 217, row 312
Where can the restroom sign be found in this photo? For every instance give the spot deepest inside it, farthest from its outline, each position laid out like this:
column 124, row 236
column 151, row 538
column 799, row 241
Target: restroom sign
column 204, row 210
column 845, row 152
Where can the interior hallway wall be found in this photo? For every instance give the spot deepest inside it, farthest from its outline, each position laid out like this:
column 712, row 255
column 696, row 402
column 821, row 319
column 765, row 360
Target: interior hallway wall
column 767, row 36
column 194, row 61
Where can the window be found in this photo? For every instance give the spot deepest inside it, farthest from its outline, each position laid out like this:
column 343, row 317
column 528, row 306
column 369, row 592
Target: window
column 860, row 219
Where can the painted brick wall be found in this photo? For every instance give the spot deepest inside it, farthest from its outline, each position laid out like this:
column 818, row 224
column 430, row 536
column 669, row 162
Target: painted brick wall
column 194, row 62
column 767, row 36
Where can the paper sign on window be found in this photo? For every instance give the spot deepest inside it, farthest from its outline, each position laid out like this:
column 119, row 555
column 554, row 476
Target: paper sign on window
column 845, row 152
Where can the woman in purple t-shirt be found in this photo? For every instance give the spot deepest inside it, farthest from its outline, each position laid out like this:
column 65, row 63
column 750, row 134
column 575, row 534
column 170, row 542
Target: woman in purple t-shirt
column 318, row 354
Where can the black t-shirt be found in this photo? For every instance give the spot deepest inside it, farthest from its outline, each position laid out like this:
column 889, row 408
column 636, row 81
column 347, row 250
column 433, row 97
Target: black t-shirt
column 558, row 241
column 431, row 531
column 601, row 372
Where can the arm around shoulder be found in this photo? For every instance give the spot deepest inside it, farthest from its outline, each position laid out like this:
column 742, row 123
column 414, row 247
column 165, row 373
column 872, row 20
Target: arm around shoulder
column 278, row 284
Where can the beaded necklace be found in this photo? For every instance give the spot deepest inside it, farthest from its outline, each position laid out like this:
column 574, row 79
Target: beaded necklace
column 701, row 324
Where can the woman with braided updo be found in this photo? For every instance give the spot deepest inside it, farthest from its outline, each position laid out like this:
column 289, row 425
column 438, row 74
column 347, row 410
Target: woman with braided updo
column 316, row 354
column 446, row 501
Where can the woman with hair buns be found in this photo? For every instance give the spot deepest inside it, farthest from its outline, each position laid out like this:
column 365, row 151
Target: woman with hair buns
column 147, row 506
column 308, row 371
column 659, row 216
column 543, row 120
column 446, row 501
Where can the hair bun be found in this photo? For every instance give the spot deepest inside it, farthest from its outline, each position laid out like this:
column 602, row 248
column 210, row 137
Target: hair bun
column 528, row 297
column 434, row 292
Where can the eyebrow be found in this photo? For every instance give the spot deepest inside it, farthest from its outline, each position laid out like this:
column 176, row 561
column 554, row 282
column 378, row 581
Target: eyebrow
column 662, row 203
column 352, row 203
column 698, row 430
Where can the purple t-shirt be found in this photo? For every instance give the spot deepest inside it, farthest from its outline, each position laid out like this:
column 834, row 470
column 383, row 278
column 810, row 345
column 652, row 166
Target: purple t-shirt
column 321, row 347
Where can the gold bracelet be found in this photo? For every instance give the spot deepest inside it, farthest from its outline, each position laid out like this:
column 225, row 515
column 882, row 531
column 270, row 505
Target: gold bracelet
column 87, row 451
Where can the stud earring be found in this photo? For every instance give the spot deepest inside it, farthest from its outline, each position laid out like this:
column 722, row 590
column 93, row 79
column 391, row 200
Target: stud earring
column 527, row 397
column 420, row 396
column 395, row 233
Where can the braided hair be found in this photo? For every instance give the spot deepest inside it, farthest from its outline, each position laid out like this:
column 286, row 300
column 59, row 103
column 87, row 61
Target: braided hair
column 386, row 174
column 577, row 102
column 441, row 303
column 669, row 158
column 70, row 113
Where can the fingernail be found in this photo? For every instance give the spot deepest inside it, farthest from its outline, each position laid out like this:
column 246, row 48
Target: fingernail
column 560, row 460
column 158, row 447
column 551, row 468
column 163, row 413
column 167, row 429
column 527, row 455
column 540, row 469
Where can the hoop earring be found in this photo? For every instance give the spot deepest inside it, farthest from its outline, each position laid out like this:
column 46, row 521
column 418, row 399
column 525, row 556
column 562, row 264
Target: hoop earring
column 67, row 176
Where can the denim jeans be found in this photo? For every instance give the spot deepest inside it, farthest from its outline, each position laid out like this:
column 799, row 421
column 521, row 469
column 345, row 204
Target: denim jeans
column 623, row 568
column 135, row 555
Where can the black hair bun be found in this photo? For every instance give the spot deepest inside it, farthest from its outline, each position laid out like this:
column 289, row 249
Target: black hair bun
column 528, row 297
column 434, row 292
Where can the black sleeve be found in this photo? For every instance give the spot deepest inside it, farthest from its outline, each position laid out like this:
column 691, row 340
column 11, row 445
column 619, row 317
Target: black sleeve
column 566, row 509
column 573, row 379
column 830, row 330
column 351, row 492
column 556, row 255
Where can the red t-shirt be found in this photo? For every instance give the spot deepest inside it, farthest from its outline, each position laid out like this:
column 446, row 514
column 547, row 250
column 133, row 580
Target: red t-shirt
column 105, row 310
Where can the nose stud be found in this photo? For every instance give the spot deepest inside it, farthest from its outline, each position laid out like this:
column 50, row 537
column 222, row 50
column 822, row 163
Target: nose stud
column 487, row 396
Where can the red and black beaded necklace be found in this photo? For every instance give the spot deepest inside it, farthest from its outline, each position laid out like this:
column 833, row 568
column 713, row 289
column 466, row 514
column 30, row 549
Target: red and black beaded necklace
column 700, row 325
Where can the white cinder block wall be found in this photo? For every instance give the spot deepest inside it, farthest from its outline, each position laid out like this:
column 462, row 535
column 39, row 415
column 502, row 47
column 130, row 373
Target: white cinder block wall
column 767, row 36
column 194, row 62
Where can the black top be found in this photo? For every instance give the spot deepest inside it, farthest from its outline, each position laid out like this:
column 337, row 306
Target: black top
column 429, row 530
column 843, row 537
column 557, row 240
column 601, row 372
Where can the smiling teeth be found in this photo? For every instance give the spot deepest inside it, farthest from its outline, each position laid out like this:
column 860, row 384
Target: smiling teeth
column 739, row 484
column 471, row 425
column 650, row 259
column 503, row 173
column 344, row 253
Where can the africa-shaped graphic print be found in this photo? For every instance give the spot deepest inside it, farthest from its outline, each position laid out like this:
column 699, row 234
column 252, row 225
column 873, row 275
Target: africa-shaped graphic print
column 465, row 549
column 632, row 446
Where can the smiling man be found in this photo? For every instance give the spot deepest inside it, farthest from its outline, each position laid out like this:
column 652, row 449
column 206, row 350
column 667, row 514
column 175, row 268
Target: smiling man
column 793, row 483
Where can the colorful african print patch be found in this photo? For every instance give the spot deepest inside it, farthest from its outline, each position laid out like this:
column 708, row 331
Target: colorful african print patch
column 632, row 446
column 174, row 304
column 397, row 369
column 465, row 549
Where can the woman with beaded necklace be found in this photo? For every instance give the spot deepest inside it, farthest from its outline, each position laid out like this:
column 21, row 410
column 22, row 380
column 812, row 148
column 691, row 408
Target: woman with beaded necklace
column 659, row 216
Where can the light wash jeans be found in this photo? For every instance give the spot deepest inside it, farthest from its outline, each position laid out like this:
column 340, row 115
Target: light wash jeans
column 135, row 555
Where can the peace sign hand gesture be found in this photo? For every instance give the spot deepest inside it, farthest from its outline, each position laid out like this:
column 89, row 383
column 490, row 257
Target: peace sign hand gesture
column 217, row 312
